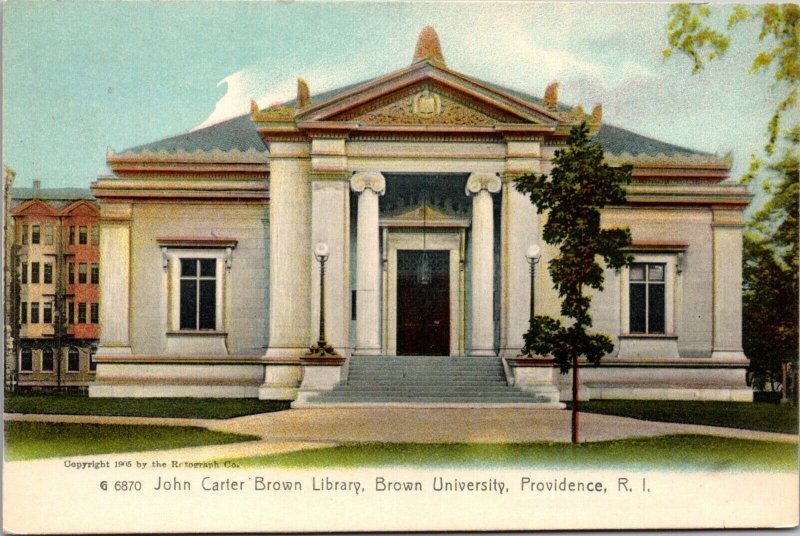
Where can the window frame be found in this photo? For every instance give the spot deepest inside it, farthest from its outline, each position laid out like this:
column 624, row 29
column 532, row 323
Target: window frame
column 36, row 233
column 670, row 262
column 35, row 273
column 83, row 273
column 69, row 360
column 71, row 235
column 81, row 312
column 34, row 306
column 47, row 312
column 24, row 234
column 23, row 312
column 23, row 273
column 71, row 273
column 52, row 360
column 83, row 235
column 47, row 273
column 94, row 272
column 94, row 313
column 95, row 234
column 48, row 234
column 22, row 358
column 172, row 259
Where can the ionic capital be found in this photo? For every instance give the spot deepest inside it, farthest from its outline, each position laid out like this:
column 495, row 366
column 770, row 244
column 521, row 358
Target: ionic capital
column 371, row 179
column 483, row 181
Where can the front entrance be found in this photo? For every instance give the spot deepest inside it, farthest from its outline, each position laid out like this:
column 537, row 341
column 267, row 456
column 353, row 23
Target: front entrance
column 423, row 303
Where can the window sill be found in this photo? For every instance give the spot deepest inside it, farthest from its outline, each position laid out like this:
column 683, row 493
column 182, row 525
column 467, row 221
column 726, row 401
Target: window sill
column 648, row 336
column 197, row 332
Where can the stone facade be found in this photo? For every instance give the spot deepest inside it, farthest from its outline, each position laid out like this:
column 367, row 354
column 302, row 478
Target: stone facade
column 419, row 160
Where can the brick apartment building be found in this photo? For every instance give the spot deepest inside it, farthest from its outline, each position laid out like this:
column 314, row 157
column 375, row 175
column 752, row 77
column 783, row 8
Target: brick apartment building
column 53, row 287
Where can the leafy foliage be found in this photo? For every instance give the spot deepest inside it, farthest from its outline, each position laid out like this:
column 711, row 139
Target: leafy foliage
column 579, row 185
column 690, row 31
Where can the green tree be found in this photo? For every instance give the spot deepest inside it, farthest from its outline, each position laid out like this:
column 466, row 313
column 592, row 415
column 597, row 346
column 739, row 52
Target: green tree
column 770, row 290
column 579, row 185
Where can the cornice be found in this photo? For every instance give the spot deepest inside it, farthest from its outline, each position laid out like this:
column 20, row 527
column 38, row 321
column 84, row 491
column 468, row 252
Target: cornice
column 214, row 156
column 676, row 161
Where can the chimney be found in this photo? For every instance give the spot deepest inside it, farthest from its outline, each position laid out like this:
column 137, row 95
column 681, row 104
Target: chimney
column 37, row 185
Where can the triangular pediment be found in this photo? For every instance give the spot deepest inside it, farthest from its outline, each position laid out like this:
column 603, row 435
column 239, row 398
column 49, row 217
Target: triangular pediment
column 426, row 94
column 81, row 207
column 425, row 215
column 34, row 207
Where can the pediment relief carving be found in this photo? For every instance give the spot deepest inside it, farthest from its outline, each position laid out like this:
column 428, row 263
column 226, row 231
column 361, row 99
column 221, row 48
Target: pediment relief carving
column 426, row 106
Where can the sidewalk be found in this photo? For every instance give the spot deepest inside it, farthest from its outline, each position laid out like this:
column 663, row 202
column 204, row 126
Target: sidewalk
column 287, row 431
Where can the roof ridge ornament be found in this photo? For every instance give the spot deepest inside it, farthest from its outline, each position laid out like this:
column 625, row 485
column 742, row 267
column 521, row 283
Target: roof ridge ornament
column 303, row 93
column 551, row 96
column 428, row 47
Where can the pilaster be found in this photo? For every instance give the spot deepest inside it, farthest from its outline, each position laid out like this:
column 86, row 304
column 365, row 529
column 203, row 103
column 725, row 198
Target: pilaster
column 115, row 277
column 727, row 288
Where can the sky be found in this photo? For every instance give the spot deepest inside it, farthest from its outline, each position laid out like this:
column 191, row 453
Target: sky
column 79, row 77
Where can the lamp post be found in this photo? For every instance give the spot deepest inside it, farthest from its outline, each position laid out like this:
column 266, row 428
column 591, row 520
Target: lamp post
column 321, row 348
column 533, row 254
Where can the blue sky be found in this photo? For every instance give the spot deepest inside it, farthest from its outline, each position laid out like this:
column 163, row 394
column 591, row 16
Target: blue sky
column 83, row 76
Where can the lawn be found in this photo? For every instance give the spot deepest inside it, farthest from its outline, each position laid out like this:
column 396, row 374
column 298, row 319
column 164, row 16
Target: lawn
column 30, row 440
column 750, row 416
column 670, row 453
column 71, row 403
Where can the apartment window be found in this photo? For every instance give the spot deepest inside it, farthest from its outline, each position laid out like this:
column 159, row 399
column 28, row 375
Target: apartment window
column 82, row 235
column 73, row 360
column 81, row 313
column 48, row 235
column 198, row 294
column 71, row 273
column 35, row 233
column 24, row 233
column 48, row 273
column 95, row 313
column 95, row 273
column 34, row 272
column 95, row 235
column 71, row 235
column 47, row 313
column 23, row 313
column 647, row 303
column 71, row 312
column 26, row 360
column 23, row 272
column 34, row 312
column 47, row 360
column 82, row 272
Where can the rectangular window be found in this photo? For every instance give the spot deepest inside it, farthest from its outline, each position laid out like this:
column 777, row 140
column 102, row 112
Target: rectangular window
column 95, row 235
column 647, row 304
column 48, row 235
column 36, row 231
column 71, row 235
column 198, row 294
column 24, row 233
column 95, row 273
column 34, row 272
column 34, row 312
column 82, row 235
column 47, row 360
column 26, row 360
column 81, row 313
column 71, row 312
column 48, row 273
column 47, row 313
column 73, row 360
column 23, row 313
column 71, row 273
column 23, row 273
column 95, row 313
column 82, row 272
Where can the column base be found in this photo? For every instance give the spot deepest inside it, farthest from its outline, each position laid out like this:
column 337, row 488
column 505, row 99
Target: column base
column 319, row 375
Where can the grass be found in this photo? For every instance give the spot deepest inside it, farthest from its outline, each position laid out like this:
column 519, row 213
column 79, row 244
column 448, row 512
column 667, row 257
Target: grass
column 31, row 440
column 70, row 403
column 671, row 453
column 749, row 416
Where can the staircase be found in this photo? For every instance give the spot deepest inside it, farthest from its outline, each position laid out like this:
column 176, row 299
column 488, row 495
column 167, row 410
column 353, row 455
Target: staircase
column 426, row 381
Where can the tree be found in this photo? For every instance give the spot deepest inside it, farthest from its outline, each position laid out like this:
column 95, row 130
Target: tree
column 579, row 185
column 770, row 290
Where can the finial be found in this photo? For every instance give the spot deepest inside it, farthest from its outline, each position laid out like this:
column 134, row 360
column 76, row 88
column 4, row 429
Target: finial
column 597, row 114
column 579, row 113
column 303, row 94
column 428, row 47
column 551, row 95
column 253, row 107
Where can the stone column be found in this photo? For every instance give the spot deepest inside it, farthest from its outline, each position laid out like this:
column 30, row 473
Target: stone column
column 290, row 250
column 368, row 263
column 115, row 277
column 727, row 277
column 519, row 229
column 480, row 186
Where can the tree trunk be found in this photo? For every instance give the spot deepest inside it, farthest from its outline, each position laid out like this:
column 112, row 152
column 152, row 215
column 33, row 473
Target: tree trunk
column 575, row 402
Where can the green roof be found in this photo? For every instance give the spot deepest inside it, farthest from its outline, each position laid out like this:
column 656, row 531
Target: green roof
column 58, row 197
column 240, row 133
